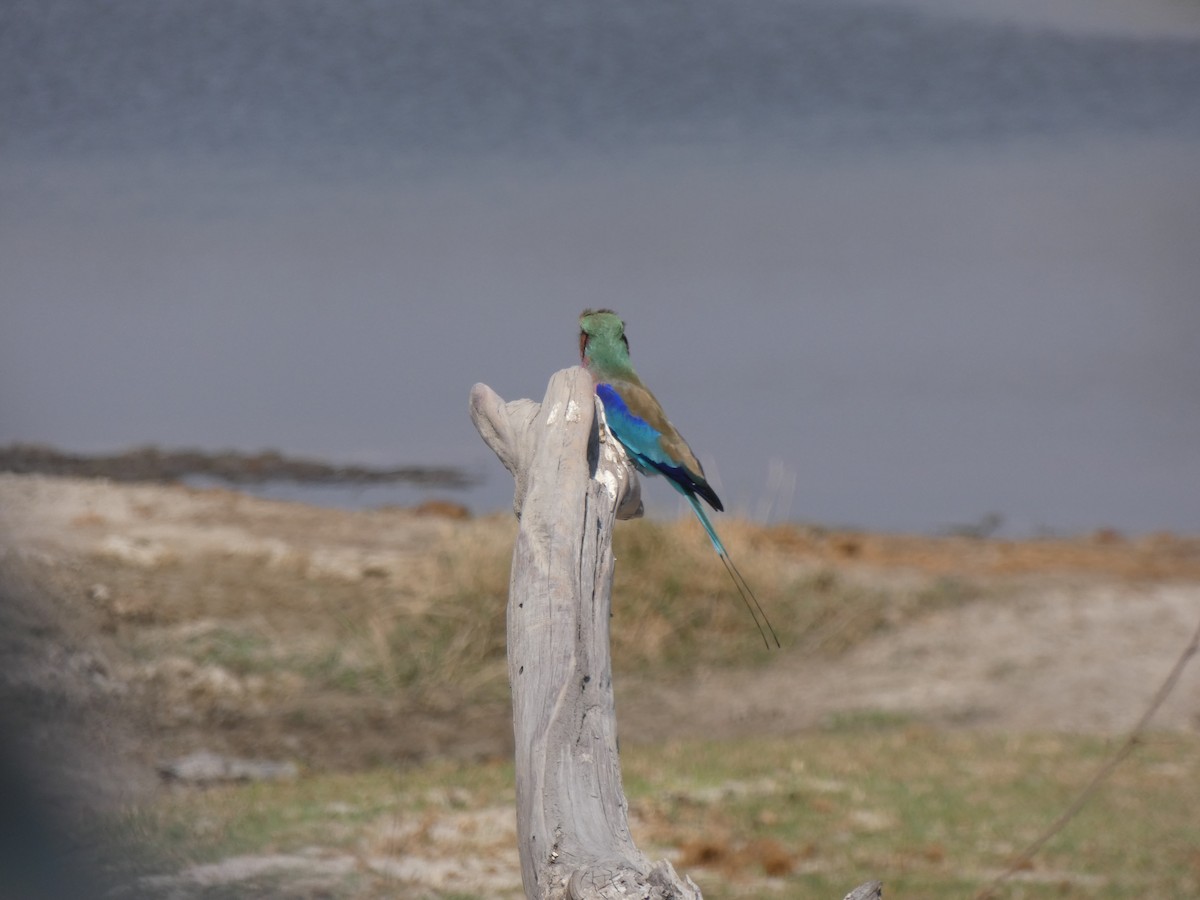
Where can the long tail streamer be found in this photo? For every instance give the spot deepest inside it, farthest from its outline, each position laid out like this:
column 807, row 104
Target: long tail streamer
column 744, row 589
column 739, row 582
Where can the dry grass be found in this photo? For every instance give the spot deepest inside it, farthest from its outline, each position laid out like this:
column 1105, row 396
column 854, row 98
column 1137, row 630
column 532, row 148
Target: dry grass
column 675, row 608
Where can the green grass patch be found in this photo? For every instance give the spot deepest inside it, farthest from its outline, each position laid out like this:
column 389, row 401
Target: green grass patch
column 242, row 652
column 858, row 720
column 933, row 815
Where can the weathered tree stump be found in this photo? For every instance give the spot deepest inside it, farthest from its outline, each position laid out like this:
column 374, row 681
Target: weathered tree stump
column 573, row 481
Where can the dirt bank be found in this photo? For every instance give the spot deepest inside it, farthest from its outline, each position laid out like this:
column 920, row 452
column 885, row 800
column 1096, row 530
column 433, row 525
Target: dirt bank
column 146, row 622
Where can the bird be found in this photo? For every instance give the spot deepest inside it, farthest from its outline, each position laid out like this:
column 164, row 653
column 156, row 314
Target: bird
column 636, row 419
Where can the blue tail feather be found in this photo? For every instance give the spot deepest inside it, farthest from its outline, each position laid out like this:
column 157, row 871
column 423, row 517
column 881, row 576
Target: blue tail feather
column 703, row 517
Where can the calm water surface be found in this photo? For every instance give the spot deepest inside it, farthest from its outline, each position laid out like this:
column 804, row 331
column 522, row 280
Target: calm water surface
column 883, row 265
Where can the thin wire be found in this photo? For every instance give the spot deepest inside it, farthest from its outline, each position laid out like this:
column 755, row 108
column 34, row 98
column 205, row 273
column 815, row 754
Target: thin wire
column 1022, row 859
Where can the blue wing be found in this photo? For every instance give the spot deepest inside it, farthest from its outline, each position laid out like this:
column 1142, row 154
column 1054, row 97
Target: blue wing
column 646, row 446
column 650, row 448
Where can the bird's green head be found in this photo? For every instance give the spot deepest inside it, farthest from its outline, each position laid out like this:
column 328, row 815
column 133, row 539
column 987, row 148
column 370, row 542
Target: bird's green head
column 602, row 341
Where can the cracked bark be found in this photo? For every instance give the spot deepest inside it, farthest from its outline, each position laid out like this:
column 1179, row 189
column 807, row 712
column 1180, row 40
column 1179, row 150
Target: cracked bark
column 572, row 482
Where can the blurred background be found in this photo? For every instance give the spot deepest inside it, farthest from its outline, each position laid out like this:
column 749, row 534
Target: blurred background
column 898, row 265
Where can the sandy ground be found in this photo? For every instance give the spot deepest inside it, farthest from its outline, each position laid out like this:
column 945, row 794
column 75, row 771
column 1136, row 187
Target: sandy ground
column 99, row 578
column 1078, row 656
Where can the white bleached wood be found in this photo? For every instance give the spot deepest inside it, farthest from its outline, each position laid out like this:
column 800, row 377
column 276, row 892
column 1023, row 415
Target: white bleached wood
column 572, row 481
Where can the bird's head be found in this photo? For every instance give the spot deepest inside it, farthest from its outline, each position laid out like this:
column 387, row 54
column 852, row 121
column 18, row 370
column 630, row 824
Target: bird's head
column 602, row 338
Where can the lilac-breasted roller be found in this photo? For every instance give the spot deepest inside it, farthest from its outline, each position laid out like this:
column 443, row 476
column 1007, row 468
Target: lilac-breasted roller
column 638, row 422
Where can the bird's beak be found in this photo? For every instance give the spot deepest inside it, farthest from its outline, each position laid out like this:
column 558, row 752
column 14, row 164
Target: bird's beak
column 583, row 346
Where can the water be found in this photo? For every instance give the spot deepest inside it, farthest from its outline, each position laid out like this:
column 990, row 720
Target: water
column 323, row 82
column 922, row 266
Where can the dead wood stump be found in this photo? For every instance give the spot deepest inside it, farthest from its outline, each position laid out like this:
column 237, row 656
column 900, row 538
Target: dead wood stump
column 573, row 481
